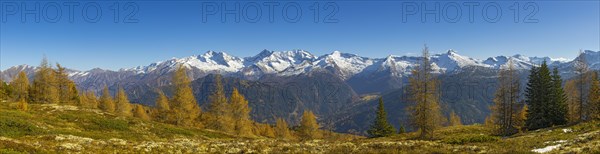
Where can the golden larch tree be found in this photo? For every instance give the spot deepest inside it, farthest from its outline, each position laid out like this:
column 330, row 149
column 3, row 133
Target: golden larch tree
column 594, row 96
column 583, row 75
column 282, row 130
column 123, row 107
column 425, row 114
column 572, row 100
column 67, row 90
column 454, row 119
column 264, row 130
column 240, row 113
column 3, row 91
column 44, row 88
column 83, row 100
column 309, row 128
column 92, row 99
column 106, row 101
column 162, row 107
column 22, row 105
column 506, row 101
column 520, row 118
column 220, row 115
column 184, row 105
column 140, row 112
column 20, row 86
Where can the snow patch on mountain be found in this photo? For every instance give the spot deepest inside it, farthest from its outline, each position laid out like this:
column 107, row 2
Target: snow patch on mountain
column 273, row 62
column 344, row 65
column 347, row 64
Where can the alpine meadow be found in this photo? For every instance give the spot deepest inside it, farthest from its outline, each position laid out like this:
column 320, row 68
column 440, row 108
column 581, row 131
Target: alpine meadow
column 195, row 77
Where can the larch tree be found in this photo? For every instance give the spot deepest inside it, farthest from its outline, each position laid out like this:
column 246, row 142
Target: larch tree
column 454, row 119
column 184, row 105
column 506, row 101
column 309, row 128
column 425, row 114
column 162, row 107
column 44, row 89
column 3, row 91
column 381, row 127
column 282, row 130
column 240, row 113
column 572, row 100
column 123, row 107
column 92, row 99
column 594, row 96
column 67, row 90
column 520, row 118
column 140, row 112
column 265, row 130
column 219, row 109
column 22, row 105
column 83, row 100
column 106, row 101
column 581, row 69
column 20, row 86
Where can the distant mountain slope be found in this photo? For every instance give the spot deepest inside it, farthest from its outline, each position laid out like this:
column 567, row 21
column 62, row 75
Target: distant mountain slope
column 469, row 93
column 270, row 97
column 284, row 83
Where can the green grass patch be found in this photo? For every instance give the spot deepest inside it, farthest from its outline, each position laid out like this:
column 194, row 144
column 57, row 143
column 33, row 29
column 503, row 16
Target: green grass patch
column 166, row 131
column 16, row 148
column 105, row 124
column 14, row 124
column 469, row 138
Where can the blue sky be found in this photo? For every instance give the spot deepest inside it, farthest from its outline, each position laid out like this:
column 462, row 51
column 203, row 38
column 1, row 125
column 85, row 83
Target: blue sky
column 166, row 29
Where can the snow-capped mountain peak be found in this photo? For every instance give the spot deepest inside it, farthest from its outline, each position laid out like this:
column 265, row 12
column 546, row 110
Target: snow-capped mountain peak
column 345, row 65
column 451, row 61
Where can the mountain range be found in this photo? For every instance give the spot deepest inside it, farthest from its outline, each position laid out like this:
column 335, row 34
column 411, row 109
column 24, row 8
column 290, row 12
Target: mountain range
column 337, row 86
column 348, row 67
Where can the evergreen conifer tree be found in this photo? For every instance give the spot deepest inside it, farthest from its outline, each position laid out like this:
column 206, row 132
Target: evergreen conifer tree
column 380, row 127
column 401, row 130
column 558, row 104
column 545, row 98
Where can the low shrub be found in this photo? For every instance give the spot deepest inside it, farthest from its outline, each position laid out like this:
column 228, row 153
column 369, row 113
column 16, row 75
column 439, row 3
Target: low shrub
column 469, row 138
column 108, row 124
column 13, row 126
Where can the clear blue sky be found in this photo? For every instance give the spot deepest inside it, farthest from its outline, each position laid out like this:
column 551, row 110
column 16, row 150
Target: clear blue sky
column 374, row 29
